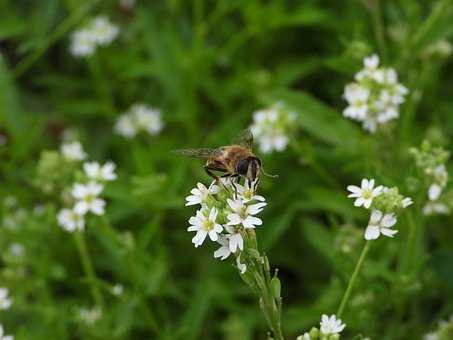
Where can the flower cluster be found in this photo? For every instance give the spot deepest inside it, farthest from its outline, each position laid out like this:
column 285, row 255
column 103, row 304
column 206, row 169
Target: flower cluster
column 271, row 127
column 85, row 196
column 431, row 161
column 89, row 316
column 444, row 331
column 139, row 117
column 330, row 329
column 227, row 211
column 374, row 98
column 99, row 32
column 384, row 203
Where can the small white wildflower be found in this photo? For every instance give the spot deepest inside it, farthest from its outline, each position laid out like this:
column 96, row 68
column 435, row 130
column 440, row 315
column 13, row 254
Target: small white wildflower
column 380, row 224
column 434, row 192
column 87, row 198
column 330, row 325
column 117, row 289
column 435, row 207
column 5, row 300
column 125, row 126
column 16, row 250
column 90, row 316
column 243, row 214
column 83, row 43
column 73, row 151
column 235, row 240
column 103, row 31
column 271, row 127
column 305, row 336
column 247, row 193
column 70, row 221
column 200, row 194
column 96, row 172
column 204, row 225
column 3, row 336
column 407, row 201
column 241, row 266
column 357, row 96
column 364, row 194
column 139, row 117
column 224, row 251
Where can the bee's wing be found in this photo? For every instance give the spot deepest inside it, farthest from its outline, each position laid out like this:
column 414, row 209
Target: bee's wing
column 196, row 153
column 244, row 138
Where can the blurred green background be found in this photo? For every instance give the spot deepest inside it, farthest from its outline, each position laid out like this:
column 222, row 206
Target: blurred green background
column 208, row 65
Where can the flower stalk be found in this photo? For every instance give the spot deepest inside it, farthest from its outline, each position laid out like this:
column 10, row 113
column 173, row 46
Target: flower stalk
column 353, row 278
column 88, row 268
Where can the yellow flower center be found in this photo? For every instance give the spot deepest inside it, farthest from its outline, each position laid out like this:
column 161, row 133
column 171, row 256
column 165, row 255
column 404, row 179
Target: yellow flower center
column 208, row 225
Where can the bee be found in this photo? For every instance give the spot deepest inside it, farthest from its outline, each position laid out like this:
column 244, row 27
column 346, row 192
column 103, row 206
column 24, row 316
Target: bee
column 234, row 161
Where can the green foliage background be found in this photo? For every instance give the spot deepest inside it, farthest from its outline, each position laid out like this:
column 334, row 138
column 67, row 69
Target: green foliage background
column 208, row 65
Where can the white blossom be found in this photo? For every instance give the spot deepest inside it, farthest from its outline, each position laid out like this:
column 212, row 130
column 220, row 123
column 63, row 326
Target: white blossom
column 70, row 221
column 407, row 201
column 139, row 117
column 117, row 289
column 73, row 151
column 87, row 198
column 204, row 224
column 380, row 223
column 96, row 172
column 103, row 31
column 247, row 193
column 224, row 251
column 241, row 266
column 375, row 97
column 5, row 300
column 435, row 207
column 364, row 194
column 330, row 325
column 90, row 316
column 243, row 214
column 83, row 43
column 271, row 127
column 3, row 336
column 200, row 194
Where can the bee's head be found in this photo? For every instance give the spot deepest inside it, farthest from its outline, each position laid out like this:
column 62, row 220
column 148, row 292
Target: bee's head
column 249, row 168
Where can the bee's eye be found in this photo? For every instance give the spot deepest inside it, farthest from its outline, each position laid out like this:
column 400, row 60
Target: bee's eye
column 242, row 167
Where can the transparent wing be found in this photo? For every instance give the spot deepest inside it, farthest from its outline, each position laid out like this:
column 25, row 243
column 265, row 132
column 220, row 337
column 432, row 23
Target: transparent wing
column 196, row 153
column 244, row 138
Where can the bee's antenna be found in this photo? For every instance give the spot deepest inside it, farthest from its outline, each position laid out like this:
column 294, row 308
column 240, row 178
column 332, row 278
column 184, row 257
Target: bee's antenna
column 268, row 175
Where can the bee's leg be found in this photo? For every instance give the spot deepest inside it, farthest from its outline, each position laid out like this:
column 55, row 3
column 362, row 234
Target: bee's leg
column 216, row 178
column 255, row 186
column 233, row 178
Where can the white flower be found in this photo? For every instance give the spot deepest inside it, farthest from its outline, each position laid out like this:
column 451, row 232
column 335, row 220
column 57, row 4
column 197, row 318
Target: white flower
column 147, row 118
column 200, row 194
column 365, row 194
column 435, row 207
column 371, row 62
column 204, row 225
column 380, row 224
column 117, row 289
column 224, row 251
column 5, row 301
column 73, row 151
column 83, row 43
column 357, row 97
column 70, row 221
column 330, row 325
column 243, row 214
column 271, row 126
column 97, row 172
column 87, row 198
column 235, row 240
column 246, row 192
column 16, row 249
column 407, row 201
column 305, row 336
column 5, row 337
column 434, row 192
column 431, row 336
column 90, row 316
column 125, row 126
column 103, row 31
column 241, row 266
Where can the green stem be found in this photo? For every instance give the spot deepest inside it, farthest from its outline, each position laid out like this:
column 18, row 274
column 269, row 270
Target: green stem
column 353, row 278
column 88, row 267
column 379, row 30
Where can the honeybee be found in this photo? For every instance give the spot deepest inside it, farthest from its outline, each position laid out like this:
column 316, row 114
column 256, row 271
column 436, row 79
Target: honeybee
column 232, row 161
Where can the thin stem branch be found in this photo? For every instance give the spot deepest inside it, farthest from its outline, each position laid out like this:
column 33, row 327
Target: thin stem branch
column 88, row 267
column 353, row 278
